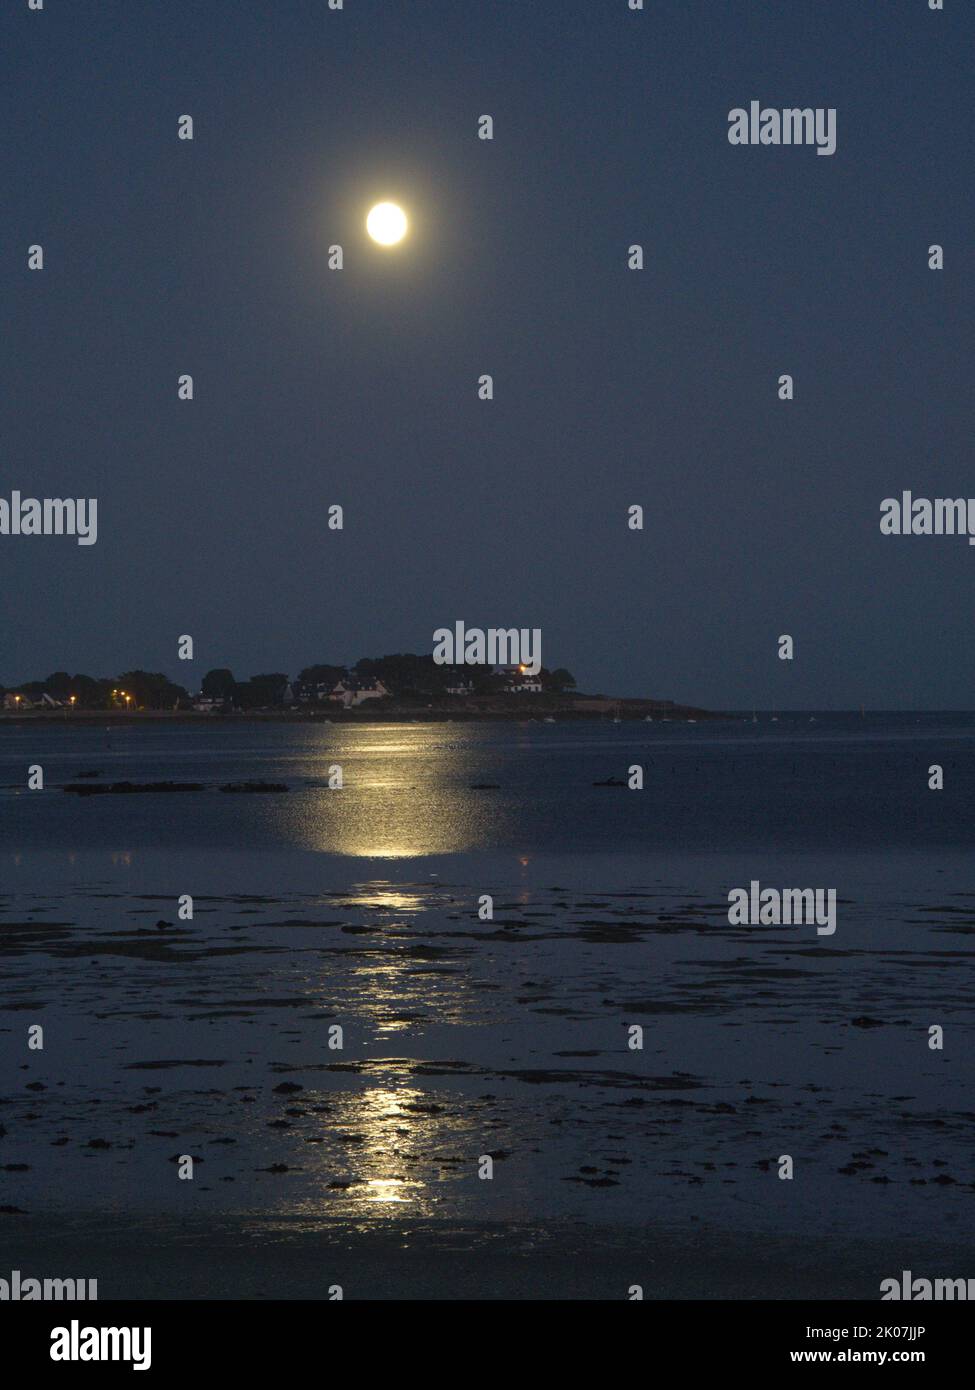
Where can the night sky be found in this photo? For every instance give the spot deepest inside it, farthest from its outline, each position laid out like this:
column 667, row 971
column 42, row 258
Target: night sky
column 612, row 387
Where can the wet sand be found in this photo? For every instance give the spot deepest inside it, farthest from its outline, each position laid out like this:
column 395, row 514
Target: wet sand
column 465, row 1039
column 261, row 1258
column 462, row 1038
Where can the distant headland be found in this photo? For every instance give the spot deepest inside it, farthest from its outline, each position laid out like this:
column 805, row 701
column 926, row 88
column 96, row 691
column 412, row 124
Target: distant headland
column 400, row 686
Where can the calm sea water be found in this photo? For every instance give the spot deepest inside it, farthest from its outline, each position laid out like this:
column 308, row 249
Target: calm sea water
column 463, row 1037
column 826, row 782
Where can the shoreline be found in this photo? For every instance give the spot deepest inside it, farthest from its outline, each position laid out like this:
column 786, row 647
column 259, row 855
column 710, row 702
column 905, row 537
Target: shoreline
column 629, row 711
column 257, row 1257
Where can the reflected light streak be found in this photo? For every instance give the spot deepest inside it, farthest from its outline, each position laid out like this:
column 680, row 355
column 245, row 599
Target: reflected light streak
column 408, row 798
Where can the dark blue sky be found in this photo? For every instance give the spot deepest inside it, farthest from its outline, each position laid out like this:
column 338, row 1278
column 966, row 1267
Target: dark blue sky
column 612, row 387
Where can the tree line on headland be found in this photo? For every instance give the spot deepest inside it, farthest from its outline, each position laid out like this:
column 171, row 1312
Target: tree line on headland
column 405, row 676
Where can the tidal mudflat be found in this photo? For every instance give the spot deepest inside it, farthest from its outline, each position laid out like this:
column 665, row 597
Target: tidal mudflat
column 338, row 1039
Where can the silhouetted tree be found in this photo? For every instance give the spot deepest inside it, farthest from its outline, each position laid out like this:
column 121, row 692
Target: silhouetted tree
column 262, row 690
column 322, row 674
column 219, row 684
column 151, row 689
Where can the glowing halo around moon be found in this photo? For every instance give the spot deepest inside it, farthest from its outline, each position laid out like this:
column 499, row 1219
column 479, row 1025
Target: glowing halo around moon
column 387, row 224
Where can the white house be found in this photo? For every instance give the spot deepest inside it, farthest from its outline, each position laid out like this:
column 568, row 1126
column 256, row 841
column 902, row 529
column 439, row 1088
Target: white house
column 518, row 681
column 308, row 692
column 351, row 692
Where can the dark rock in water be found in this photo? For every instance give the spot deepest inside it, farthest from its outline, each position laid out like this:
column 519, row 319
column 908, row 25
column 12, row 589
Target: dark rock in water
column 6, row 1210
column 287, row 1088
column 36, row 1086
column 98, row 1144
column 864, row 1022
column 162, row 925
column 255, row 787
column 125, row 788
column 593, row 1182
column 611, row 782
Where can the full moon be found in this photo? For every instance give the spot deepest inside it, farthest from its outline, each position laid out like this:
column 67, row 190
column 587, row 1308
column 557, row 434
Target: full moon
column 386, row 224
